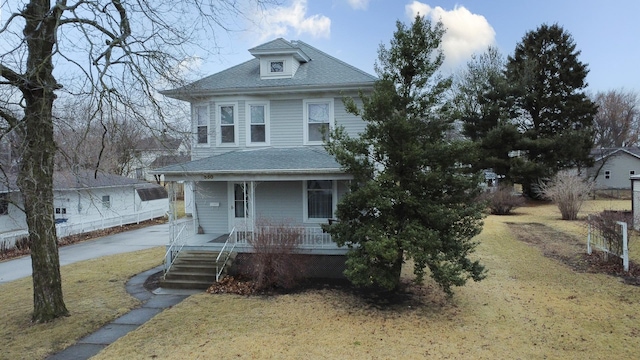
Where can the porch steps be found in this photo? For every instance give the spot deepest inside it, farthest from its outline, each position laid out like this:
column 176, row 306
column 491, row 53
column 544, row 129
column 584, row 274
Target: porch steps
column 192, row 270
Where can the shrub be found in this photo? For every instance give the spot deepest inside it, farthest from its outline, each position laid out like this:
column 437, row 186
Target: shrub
column 275, row 261
column 568, row 191
column 502, row 201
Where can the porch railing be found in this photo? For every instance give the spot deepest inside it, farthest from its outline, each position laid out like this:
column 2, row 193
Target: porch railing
column 179, row 235
column 225, row 253
column 308, row 237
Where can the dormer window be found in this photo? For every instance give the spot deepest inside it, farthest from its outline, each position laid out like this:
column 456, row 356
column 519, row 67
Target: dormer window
column 276, row 66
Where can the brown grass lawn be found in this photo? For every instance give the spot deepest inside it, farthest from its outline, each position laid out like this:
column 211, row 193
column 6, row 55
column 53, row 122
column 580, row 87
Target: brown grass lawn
column 529, row 307
column 94, row 292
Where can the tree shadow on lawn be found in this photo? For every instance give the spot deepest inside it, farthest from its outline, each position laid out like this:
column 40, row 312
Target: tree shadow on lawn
column 570, row 251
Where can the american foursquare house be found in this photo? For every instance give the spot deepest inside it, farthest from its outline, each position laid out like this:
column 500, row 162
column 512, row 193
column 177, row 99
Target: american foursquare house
column 257, row 156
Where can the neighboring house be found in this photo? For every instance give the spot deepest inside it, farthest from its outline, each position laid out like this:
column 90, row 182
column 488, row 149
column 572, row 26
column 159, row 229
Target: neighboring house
column 85, row 201
column 154, row 152
column 257, row 153
column 614, row 166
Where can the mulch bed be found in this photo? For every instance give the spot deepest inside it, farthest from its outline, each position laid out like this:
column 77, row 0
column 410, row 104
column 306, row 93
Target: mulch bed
column 570, row 251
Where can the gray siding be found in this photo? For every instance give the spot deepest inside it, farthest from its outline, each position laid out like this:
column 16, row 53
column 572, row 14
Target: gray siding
column 354, row 125
column 286, row 123
column 279, row 202
column 619, row 167
column 212, row 219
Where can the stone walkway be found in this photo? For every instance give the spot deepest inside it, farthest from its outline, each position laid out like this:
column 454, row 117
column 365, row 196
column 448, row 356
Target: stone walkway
column 153, row 303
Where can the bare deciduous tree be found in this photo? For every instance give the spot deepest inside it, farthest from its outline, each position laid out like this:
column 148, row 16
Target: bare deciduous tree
column 116, row 53
column 95, row 142
column 617, row 123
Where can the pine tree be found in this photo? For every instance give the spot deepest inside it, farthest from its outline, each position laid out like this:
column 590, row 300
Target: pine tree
column 412, row 196
column 481, row 104
column 556, row 116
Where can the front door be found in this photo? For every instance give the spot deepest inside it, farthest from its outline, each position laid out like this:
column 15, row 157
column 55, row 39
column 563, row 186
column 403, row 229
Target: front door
column 241, row 206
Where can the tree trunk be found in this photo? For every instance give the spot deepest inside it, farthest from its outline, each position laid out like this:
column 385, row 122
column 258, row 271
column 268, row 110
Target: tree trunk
column 35, row 178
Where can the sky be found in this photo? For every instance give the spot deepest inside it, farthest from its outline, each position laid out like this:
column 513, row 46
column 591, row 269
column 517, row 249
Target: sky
column 606, row 33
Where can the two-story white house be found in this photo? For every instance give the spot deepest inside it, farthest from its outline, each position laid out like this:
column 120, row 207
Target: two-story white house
column 257, row 155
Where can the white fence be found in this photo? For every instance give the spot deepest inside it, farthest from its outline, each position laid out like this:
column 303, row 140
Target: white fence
column 8, row 240
column 67, row 229
column 608, row 246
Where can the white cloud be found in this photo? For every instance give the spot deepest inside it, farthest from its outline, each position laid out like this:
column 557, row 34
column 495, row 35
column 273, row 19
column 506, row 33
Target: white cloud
column 358, row 4
column 466, row 34
column 284, row 20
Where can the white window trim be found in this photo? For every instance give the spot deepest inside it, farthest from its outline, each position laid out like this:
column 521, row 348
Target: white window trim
column 195, row 124
column 267, row 131
column 305, row 203
column 219, row 125
column 305, row 117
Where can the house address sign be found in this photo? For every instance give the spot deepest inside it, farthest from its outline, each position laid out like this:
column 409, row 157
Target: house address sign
column 208, row 177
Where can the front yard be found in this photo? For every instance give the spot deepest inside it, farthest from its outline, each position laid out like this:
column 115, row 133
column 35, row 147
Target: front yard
column 529, row 306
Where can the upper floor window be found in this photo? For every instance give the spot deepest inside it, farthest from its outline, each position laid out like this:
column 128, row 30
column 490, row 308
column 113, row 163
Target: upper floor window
column 202, row 123
column 227, row 125
column 318, row 118
column 258, row 124
column 607, row 174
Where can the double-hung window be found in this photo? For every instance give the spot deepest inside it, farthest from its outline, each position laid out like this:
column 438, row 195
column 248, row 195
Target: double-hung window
column 202, row 124
column 318, row 119
column 320, row 198
column 227, row 125
column 258, row 124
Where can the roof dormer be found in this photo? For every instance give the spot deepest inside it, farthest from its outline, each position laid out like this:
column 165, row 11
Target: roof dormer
column 279, row 59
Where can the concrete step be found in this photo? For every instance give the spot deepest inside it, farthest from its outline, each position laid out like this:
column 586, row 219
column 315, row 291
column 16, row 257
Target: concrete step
column 188, row 275
column 202, row 268
column 185, row 284
column 192, row 270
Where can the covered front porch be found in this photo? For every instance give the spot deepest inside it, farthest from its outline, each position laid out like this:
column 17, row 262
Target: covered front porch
column 309, row 240
column 257, row 198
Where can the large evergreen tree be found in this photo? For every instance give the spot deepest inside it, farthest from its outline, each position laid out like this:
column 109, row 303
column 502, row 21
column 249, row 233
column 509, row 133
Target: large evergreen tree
column 412, row 196
column 556, row 116
column 481, row 104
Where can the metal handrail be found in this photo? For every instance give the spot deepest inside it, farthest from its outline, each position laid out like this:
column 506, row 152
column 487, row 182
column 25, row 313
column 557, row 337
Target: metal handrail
column 173, row 252
column 220, row 268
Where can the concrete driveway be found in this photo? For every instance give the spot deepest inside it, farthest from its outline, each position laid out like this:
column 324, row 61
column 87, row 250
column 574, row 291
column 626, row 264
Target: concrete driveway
column 128, row 241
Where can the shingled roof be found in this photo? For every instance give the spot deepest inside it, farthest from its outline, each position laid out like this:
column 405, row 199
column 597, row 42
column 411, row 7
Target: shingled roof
column 601, row 153
column 84, row 179
column 321, row 71
column 261, row 161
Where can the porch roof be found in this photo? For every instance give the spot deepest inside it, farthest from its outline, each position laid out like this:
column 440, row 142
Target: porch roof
column 295, row 160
